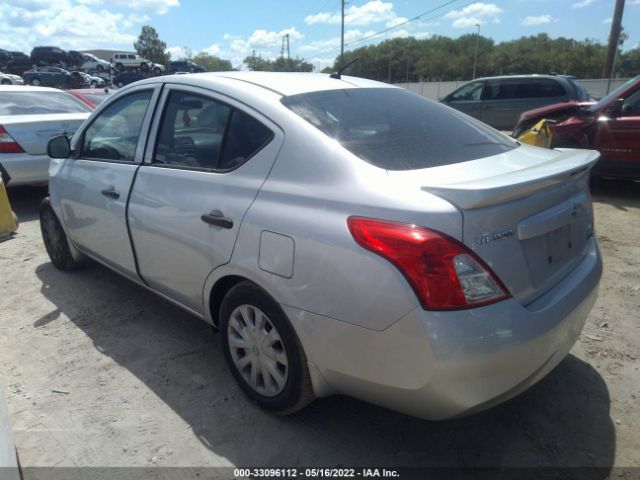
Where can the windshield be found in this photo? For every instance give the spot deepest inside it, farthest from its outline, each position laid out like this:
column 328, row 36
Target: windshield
column 614, row 94
column 34, row 103
column 396, row 130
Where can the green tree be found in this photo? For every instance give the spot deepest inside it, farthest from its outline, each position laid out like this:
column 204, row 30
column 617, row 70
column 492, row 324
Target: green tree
column 257, row 63
column 212, row 63
column 151, row 47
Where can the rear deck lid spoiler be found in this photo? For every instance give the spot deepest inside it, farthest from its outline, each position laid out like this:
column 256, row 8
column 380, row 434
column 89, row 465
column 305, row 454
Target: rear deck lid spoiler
column 499, row 179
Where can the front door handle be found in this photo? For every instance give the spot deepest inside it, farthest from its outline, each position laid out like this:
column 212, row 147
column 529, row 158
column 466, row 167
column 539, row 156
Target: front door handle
column 215, row 217
column 111, row 193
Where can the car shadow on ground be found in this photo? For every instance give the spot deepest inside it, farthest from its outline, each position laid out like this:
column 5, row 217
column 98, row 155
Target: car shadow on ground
column 563, row 421
column 621, row 194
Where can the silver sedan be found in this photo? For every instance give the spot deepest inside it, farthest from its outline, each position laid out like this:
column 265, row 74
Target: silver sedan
column 29, row 117
column 343, row 235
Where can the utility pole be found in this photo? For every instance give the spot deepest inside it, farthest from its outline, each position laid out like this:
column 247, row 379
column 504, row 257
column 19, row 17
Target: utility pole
column 342, row 35
column 475, row 60
column 614, row 38
column 288, row 47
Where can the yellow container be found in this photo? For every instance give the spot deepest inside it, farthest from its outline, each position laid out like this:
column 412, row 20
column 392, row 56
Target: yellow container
column 540, row 135
column 8, row 223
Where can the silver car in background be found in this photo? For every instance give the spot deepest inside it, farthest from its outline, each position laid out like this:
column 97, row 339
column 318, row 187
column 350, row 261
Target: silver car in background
column 29, row 117
column 345, row 236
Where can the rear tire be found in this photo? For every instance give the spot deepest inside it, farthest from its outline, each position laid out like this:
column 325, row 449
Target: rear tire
column 119, row 67
column 265, row 357
column 94, row 84
column 55, row 240
column 6, row 81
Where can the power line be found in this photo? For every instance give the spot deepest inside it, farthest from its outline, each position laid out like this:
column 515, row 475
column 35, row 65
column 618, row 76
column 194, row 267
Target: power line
column 381, row 32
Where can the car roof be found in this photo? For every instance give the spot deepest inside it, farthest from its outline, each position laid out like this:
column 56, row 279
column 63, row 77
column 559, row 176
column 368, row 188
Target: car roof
column 282, row 83
column 27, row 88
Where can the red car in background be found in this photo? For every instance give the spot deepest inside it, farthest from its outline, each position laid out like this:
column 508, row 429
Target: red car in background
column 610, row 126
column 91, row 96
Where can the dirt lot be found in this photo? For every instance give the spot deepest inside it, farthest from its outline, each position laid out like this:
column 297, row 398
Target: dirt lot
column 100, row 372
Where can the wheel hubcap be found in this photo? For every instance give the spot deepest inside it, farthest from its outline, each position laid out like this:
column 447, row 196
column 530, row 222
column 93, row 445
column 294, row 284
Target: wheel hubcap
column 257, row 350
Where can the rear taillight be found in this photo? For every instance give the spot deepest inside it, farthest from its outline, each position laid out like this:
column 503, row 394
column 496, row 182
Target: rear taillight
column 7, row 143
column 444, row 274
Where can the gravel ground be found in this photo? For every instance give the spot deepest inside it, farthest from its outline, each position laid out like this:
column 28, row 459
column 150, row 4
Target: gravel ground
column 100, row 372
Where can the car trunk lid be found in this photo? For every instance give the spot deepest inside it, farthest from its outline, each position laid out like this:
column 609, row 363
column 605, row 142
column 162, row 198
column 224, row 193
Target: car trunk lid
column 33, row 132
column 526, row 213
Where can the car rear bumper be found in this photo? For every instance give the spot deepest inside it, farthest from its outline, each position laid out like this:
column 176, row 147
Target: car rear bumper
column 26, row 169
column 438, row 365
column 617, row 169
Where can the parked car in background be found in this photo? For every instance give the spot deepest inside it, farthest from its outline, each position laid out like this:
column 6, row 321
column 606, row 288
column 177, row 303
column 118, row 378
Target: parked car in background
column 331, row 235
column 74, row 59
column 46, row 76
column 91, row 63
column 90, row 96
column 157, row 69
column 87, row 80
column 130, row 60
column 19, row 63
column 29, row 117
column 499, row 101
column 9, row 79
column 97, row 82
column 611, row 126
column 41, row 56
column 186, row 66
column 78, row 79
column 125, row 78
column 5, row 58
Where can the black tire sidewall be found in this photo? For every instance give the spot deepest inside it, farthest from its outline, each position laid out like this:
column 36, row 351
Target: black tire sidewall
column 249, row 294
column 66, row 261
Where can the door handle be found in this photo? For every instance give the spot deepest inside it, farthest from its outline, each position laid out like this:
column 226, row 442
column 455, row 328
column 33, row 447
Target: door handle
column 111, row 193
column 216, row 218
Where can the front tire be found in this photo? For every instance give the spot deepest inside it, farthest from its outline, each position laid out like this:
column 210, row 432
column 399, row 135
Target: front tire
column 263, row 352
column 100, row 68
column 35, row 82
column 55, row 240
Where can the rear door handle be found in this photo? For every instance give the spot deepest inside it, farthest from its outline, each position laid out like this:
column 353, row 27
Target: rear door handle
column 215, row 217
column 111, row 193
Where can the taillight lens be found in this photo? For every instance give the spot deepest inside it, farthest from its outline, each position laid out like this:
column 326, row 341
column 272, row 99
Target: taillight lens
column 444, row 274
column 7, row 143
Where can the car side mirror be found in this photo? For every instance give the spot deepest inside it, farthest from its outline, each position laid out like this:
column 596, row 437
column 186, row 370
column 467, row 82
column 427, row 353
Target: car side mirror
column 59, row 147
column 615, row 109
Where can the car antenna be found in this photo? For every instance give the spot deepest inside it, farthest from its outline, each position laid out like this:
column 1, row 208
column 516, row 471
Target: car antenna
column 337, row 75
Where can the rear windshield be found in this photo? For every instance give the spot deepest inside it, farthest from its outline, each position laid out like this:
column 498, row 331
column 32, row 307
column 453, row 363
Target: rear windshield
column 397, row 130
column 35, row 103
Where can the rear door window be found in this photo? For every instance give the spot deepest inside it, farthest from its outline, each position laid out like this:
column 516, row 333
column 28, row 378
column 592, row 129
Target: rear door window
column 199, row 132
column 397, row 130
column 523, row 88
column 191, row 131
